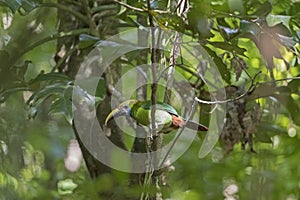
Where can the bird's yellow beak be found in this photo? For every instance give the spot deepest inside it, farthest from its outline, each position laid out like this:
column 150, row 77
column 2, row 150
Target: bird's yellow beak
column 120, row 111
column 110, row 116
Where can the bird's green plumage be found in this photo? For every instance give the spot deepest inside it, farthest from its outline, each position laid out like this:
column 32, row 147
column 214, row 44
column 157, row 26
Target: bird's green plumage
column 141, row 112
column 166, row 117
column 159, row 106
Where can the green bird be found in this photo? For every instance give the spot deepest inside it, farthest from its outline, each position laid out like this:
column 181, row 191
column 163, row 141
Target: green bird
column 166, row 117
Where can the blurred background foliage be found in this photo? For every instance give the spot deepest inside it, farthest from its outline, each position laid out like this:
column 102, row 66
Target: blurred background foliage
column 254, row 43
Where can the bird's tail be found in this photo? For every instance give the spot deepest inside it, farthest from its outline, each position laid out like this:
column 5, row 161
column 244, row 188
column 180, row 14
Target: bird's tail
column 196, row 126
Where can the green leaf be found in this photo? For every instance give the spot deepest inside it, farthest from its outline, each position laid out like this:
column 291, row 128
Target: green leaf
column 291, row 105
column 80, row 96
column 228, row 33
column 220, row 64
column 171, row 20
column 53, row 76
column 236, row 5
column 283, row 95
column 86, row 40
column 101, row 89
column 199, row 19
column 15, row 5
column 294, row 85
column 28, row 5
column 248, row 27
column 66, row 186
column 32, row 112
column 116, row 49
column 267, row 90
column 7, row 180
column 266, row 130
column 274, row 20
column 40, row 96
column 229, row 47
column 63, row 104
column 130, row 21
column 89, row 85
column 264, row 9
column 286, row 41
column 7, row 93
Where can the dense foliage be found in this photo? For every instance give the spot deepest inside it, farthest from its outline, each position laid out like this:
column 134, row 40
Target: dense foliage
column 253, row 43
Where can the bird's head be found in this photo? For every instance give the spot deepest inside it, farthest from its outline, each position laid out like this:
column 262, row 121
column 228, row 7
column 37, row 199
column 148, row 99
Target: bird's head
column 122, row 110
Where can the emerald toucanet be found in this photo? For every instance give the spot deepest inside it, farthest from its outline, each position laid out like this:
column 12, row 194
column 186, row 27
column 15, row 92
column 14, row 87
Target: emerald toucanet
column 166, row 117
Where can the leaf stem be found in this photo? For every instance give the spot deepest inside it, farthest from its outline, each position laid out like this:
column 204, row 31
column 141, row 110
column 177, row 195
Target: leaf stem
column 80, row 16
column 54, row 37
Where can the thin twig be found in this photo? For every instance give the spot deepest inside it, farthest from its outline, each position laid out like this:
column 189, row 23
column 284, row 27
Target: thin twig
column 250, row 90
column 221, row 102
column 193, row 109
column 129, row 6
column 171, row 69
column 88, row 12
column 241, row 64
column 64, row 58
column 279, row 80
column 140, row 9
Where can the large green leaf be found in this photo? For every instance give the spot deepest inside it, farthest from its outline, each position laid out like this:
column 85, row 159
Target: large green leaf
column 7, row 93
column 53, row 76
column 63, row 104
column 286, row 41
column 226, row 32
column 81, row 96
column 263, row 91
column 38, row 97
column 274, row 20
column 220, row 64
column 199, row 19
column 291, row 105
column 88, row 85
column 267, row 130
column 229, row 47
column 294, row 85
column 15, row 5
column 170, row 20
column 248, row 27
column 263, row 9
column 283, row 95
column 236, row 5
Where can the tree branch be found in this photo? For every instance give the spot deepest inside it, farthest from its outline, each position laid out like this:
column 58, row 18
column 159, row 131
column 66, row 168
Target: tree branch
column 250, row 90
column 154, row 72
column 182, row 8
